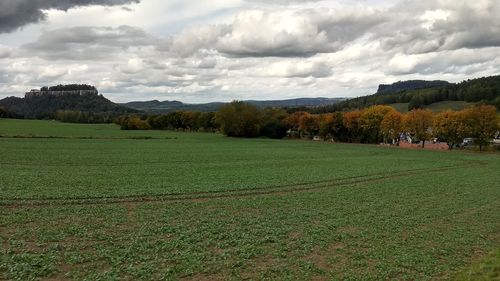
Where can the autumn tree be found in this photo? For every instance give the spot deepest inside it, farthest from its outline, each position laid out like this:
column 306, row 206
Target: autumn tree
column 239, row 119
column 309, row 124
column 451, row 127
column 351, row 121
column 482, row 122
column 293, row 121
column 418, row 123
column 370, row 121
column 326, row 125
column 133, row 122
column 391, row 125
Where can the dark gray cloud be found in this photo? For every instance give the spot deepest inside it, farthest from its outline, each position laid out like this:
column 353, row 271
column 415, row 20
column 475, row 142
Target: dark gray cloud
column 17, row 13
column 87, row 42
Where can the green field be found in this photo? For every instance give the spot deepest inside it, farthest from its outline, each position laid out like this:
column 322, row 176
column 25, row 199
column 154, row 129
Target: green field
column 91, row 202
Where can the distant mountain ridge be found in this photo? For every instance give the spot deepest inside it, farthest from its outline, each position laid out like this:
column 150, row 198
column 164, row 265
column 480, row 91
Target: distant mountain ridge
column 156, row 106
column 420, row 93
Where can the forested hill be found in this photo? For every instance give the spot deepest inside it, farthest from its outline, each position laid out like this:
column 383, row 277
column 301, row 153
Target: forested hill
column 156, row 106
column 419, row 94
column 46, row 104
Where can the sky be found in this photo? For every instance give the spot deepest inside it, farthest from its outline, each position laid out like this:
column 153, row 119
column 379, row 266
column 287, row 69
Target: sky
column 199, row 51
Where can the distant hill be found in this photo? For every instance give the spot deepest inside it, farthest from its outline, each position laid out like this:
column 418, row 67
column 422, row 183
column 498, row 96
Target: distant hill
column 156, row 106
column 422, row 94
column 44, row 103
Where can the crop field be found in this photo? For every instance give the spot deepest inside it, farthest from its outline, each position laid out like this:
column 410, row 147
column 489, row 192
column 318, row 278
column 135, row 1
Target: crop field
column 91, row 202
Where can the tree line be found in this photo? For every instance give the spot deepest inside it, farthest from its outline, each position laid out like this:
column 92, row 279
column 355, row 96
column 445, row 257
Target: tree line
column 375, row 124
column 84, row 117
column 178, row 121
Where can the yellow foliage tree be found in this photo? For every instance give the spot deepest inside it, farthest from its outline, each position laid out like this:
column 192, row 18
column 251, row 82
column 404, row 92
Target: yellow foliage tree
column 482, row 122
column 391, row 125
column 451, row 127
column 370, row 121
column 418, row 123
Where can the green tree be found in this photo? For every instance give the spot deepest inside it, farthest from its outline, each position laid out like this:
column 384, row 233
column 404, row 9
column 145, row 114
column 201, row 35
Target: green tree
column 274, row 125
column 239, row 119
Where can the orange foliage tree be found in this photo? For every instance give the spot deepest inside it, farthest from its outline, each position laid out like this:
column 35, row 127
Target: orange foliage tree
column 293, row 121
column 309, row 124
column 331, row 126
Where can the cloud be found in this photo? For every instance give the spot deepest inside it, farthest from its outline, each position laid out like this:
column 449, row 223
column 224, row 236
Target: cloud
column 52, row 72
column 205, row 63
column 17, row 13
column 5, row 52
column 429, row 26
column 134, row 65
column 295, row 32
column 87, row 42
column 461, row 61
column 194, row 39
column 283, row 33
column 299, row 69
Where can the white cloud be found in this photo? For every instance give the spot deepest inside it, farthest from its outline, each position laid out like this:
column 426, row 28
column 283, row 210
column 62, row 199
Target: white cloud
column 298, row 69
column 134, row 65
column 195, row 39
column 4, row 52
column 52, row 72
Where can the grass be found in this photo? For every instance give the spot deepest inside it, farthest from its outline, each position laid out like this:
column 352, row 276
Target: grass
column 401, row 107
column 487, row 268
column 15, row 128
column 449, row 105
column 203, row 206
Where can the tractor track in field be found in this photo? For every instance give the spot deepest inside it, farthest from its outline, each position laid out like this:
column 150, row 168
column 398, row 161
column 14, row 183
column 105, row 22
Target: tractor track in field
column 210, row 195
